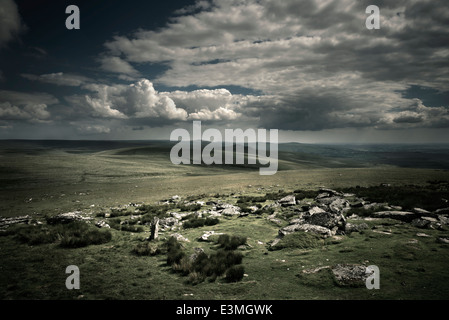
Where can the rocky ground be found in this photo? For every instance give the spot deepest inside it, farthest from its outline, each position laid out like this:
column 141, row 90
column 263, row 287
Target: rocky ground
column 329, row 214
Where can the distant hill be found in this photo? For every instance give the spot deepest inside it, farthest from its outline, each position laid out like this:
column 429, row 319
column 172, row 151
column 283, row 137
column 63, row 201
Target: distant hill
column 291, row 155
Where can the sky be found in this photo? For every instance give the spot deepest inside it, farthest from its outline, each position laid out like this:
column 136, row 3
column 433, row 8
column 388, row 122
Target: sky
column 309, row 68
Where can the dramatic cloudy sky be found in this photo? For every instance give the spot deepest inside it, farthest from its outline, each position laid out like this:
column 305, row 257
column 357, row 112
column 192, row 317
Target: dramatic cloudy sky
column 310, row 68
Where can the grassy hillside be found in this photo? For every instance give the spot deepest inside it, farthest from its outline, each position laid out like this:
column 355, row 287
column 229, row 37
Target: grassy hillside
column 45, row 179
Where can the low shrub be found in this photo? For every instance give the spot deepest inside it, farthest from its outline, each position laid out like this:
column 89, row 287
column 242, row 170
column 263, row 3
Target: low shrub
column 146, row 249
column 79, row 234
column 35, row 235
column 203, row 266
column 200, row 222
column 71, row 235
column 188, row 207
column 231, row 242
column 174, row 251
column 235, row 273
column 301, row 240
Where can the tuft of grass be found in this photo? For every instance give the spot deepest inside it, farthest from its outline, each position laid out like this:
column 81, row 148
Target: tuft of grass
column 146, row 249
column 79, row 234
column 235, row 273
column 299, row 240
column 231, row 242
column 200, row 222
column 71, row 235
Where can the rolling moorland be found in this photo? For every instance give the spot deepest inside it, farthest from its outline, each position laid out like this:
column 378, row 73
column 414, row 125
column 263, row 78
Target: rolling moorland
column 225, row 232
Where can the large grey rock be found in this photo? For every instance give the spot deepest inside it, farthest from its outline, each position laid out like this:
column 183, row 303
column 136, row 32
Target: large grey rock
column 288, row 201
column 319, row 230
column 326, row 219
column 421, row 211
column 350, row 274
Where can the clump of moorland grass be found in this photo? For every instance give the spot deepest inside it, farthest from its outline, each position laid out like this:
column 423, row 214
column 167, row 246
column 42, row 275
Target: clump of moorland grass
column 203, row 266
column 230, row 242
column 174, row 251
column 146, row 248
column 79, row 234
column 70, row 235
column 299, row 240
column 126, row 225
column 235, row 273
column 195, row 222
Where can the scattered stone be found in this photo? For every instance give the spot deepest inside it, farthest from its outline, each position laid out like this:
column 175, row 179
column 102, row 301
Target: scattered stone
column 179, row 237
column 382, row 232
column 330, row 191
column 420, row 234
column 314, row 270
column 426, row 222
column 315, row 210
column 339, row 205
column 231, row 211
column 412, row 241
column 6, row 222
column 288, row 201
column 398, row 215
column 168, row 223
column 207, row 234
column 421, row 211
column 102, row 224
column 443, row 219
column 358, row 204
column 351, row 227
column 442, row 211
column 443, row 240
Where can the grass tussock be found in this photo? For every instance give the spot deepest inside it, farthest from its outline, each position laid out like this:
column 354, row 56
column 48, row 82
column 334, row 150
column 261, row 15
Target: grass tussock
column 71, row 235
column 200, row 222
column 299, row 240
column 201, row 266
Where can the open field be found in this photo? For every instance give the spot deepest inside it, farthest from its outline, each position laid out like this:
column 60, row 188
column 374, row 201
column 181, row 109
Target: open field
column 42, row 180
